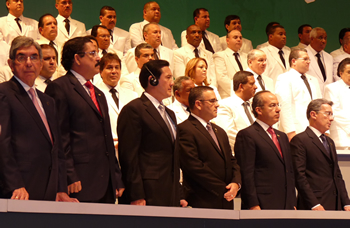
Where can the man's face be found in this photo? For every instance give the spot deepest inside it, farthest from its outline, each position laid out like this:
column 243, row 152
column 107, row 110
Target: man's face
column 147, row 54
column 305, row 36
column 27, row 64
column 182, row 95
column 249, row 88
column 89, row 63
column 345, row 75
column 302, row 63
column 111, row 73
column 103, row 38
column 15, row 7
column 49, row 62
column 258, row 64
column 194, row 35
column 234, row 40
column 234, row 25
column 166, row 83
column 203, row 20
column 278, row 38
column 270, row 112
column 152, row 13
column 49, row 29
column 153, row 36
column 323, row 118
column 208, row 106
column 319, row 42
column 109, row 19
column 64, row 8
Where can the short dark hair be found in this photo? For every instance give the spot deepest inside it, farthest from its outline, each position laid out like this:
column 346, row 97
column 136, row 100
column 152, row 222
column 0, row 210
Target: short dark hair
column 47, row 46
column 342, row 34
column 152, row 67
column 109, row 57
column 228, row 20
column 178, row 83
column 72, row 47
column 342, row 65
column 92, row 38
column 141, row 46
column 301, row 28
column 241, row 77
column 197, row 12
column 269, row 25
column 104, row 8
column 196, row 93
column 95, row 29
column 294, row 54
column 258, row 101
column 273, row 29
column 23, row 41
column 41, row 20
column 315, row 105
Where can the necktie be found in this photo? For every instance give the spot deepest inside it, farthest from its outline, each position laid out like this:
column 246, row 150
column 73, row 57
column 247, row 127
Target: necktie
column 307, row 84
column 163, row 114
column 236, row 54
column 261, row 82
column 52, row 44
column 325, row 143
column 114, row 96
column 104, row 52
column 274, row 139
column 207, row 43
column 42, row 115
column 19, row 25
column 155, row 54
column 67, row 25
column 282, row 58
column 47, row 81
column 111, row 33
column 196, row 53
column 320, row 64
column 212, row 134
column 247, row 112
column 89, row 85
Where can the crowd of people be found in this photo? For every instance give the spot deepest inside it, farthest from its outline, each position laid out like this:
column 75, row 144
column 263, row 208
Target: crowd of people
column 96, row 116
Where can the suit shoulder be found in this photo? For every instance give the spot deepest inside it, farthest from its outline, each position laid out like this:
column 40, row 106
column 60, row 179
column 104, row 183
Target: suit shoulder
column 121, row 32
column 78, row 22
column 30, row 20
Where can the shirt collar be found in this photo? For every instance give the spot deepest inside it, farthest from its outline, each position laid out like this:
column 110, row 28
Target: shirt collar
column 200, row 120
column 61, row 18
column 80, row 78
column 154, row 101
column 317, row 132
column 25, row 86
column 262, row 124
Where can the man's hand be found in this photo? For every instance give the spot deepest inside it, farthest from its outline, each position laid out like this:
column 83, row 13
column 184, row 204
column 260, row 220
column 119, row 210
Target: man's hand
column 255, row 208
column 63, row 197
column 318, row 208
column 232, row 192
column 119, row 192
column 347, row 208
column 183, row 203
column 20, row 194
column 74, row 188
column 116, row 145
column 140, row 202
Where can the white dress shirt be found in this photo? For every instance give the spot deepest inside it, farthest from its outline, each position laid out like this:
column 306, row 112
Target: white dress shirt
column 76, row 29
column 213, row 39
column 180, row 111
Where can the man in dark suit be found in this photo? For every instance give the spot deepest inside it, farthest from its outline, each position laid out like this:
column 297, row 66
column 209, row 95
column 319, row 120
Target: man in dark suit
column 319, row 181
column 92, row 168
column 264, row 156
column 147, row 131
column 32, row 162
column 211, row 174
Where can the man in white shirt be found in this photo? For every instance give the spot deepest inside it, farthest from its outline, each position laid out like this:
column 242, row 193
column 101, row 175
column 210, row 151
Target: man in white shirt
column 152, row 35
column 343, row 34
column 233, row 22
column 4, row 53
column 49, row 67
column 210, row 41
column 267, row 29
column 180, row 106
column 68, row 28
column 339, row 58
column 257, row 65
column 276, row 52
column 234, row 112
column 14, row 24
column 193, row 50
column 228, row 62
column 294, row 90
column 339, row 92
column 151, row 13
column 304, row 35
column 321, row 66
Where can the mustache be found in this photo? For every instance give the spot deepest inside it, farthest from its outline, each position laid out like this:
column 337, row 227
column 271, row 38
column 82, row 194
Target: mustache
column 97, row 64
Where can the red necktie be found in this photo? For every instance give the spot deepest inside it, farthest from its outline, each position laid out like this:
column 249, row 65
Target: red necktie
column 274, row 139
column 89, row 85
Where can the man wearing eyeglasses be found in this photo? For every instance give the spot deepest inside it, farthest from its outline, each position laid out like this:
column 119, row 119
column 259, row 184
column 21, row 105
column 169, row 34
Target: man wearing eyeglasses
column 319, row 181
column 32, row 162
column 264, row 156
column 211, row 176
column 92, row 168
column 294, row 90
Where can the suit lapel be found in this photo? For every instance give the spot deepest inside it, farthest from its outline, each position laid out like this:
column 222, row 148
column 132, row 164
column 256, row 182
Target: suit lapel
column 62, row 28
column 14, row 26
column 317, row 142
column 232, row 61
column 276, row 56
column 24, row 26
column 48, row 108
column 314, row 65
column 72, row 28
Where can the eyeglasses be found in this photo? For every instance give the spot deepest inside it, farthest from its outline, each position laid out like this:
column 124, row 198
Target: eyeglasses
column 328, row 114
column 305, row 59
column 212, row 101
column 91, row 53
column 274, row 105
column 23, row 58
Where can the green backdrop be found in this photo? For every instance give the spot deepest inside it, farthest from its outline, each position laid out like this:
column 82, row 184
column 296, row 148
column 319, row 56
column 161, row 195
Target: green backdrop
column 177, row 15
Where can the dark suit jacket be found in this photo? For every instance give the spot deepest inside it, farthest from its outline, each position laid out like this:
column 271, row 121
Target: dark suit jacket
column 267, row 178
column 28, row 158
column 87, row 138
column 207, row 170
column 317, row 174
column 149, row 164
